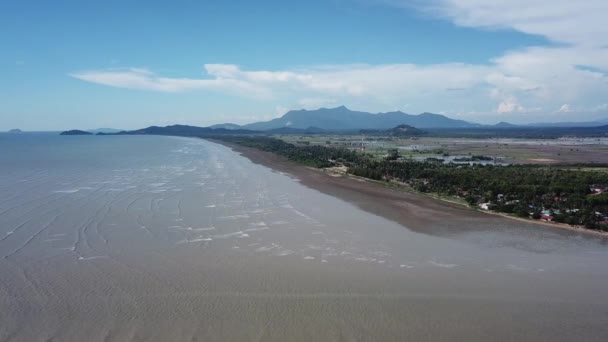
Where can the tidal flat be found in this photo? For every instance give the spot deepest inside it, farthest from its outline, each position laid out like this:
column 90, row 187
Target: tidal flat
column 164, row 238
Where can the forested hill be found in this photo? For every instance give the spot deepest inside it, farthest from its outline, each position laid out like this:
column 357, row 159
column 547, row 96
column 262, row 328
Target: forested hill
column 342, row 118
column 183, row 130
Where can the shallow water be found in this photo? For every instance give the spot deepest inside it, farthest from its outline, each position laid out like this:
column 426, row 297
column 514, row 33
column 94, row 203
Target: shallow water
column 163, row 238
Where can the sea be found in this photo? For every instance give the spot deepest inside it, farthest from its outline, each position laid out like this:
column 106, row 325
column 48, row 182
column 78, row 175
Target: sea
column 132, row 238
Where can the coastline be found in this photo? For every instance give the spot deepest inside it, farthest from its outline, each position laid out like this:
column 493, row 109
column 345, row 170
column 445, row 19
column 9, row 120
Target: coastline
column 419, row 212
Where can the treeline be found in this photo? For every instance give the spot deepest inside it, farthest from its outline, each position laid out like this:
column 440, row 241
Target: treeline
column 311, row 155
column 524, row 190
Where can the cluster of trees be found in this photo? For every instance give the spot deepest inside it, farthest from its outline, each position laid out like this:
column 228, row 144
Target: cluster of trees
column 474, row 158
column 523, row 190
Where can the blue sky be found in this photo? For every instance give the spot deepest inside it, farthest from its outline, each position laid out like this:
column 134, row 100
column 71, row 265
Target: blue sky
column 127, row 64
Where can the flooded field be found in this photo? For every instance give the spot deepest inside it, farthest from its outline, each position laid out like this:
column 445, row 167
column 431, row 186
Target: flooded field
column 162, row 238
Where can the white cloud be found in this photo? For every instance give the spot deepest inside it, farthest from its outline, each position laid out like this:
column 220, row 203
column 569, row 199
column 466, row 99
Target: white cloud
column 280, row 110
column 523, row 81
column 564, row 21
column 510, row 106
column 316, row 86
column 565, row 108
column 143, row 79
column 515, row 82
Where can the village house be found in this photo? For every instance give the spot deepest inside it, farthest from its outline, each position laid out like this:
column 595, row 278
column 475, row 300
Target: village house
column 548, row 215
column 598, row 189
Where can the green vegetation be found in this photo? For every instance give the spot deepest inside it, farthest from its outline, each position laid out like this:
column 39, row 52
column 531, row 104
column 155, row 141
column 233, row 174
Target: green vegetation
column 474, row 158
column 398, row 131
column 303, row 152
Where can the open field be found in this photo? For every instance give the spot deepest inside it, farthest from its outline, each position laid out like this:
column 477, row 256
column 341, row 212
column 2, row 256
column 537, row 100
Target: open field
column 521, row 151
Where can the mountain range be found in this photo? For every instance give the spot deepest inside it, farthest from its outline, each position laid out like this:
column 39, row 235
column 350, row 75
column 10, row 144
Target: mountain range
column 342, row 118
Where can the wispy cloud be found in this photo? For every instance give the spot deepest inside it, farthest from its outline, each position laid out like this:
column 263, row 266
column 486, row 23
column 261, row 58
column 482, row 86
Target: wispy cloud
column 143, row 79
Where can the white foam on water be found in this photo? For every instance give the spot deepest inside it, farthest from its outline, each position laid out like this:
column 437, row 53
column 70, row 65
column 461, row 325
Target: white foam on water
column 92, row 257
column 70, row 191
column 201, row 240
column 267, row 248
column 210, row 206
column 434, row 263
column 309, row 257
column 406, row 266
column 229, row 235
column 256, row 229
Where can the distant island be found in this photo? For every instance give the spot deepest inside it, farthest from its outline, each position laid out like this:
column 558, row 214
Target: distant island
column 76, row 132
column 15, row 130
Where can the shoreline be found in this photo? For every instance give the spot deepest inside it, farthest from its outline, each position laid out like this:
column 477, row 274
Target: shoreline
column 419, row 212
